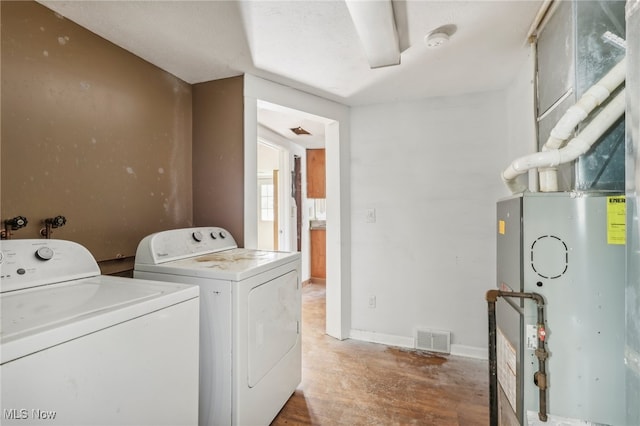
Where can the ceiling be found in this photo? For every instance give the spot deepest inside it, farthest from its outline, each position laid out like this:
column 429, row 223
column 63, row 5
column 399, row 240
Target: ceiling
column 281, row 121
column 313, row 45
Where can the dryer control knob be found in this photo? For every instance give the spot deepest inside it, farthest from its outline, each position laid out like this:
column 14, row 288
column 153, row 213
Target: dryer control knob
column 197, row 235
column 222, row 234
column 214, row 236
column 44, row 253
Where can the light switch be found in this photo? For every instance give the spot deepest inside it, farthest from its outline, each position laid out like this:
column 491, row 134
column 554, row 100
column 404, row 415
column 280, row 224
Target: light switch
column 371, row 216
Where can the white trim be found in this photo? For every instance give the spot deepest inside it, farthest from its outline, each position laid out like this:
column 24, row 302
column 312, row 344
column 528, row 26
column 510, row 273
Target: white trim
column 337, row 131
column 470, row 351
column 385, row 339
column 409, row 342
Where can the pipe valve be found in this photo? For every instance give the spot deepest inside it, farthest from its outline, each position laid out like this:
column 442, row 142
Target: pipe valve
column 17, row 222
column 51, row 223
column 13, row 224
column 542, row 333
column 56, row 222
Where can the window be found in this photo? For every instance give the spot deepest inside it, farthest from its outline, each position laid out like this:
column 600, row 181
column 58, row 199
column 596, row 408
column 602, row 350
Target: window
column 266, row 202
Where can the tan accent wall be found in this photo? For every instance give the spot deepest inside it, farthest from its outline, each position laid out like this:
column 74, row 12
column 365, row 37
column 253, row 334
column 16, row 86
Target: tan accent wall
column 218, row 155
column 92, row 132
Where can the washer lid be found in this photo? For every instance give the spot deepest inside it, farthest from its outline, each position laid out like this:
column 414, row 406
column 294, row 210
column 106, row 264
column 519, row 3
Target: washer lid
column 38, row 318
column 234, row 265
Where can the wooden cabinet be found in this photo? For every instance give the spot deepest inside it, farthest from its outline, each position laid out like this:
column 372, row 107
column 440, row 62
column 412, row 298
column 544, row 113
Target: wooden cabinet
column 318, row 253
column 316, row 175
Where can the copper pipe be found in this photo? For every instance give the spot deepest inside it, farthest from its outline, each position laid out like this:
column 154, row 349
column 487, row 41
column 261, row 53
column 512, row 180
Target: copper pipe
column 540, row 377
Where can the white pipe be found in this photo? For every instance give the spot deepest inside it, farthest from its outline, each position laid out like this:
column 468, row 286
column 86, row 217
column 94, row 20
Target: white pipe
column 534, row 29
column 591, row 99
column 575, row 148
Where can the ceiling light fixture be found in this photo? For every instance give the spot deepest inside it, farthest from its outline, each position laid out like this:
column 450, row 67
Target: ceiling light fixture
column 375, row 24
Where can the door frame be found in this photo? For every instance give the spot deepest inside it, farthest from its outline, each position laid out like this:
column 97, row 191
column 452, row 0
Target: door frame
column 336, row 118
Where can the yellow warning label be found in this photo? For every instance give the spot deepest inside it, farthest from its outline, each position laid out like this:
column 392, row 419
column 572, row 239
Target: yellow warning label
column 501, row 227
column 616, row 220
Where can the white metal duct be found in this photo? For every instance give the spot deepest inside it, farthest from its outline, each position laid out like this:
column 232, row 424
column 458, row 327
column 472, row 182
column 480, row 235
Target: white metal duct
column 375, row 24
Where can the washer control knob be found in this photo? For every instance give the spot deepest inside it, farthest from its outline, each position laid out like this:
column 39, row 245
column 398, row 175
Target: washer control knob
column 223, row 234
column 1, row 257
column 214, row 236
column 197, row 235
column 44, row 253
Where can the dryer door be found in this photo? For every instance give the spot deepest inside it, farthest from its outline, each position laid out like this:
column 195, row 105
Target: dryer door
column 274, row 324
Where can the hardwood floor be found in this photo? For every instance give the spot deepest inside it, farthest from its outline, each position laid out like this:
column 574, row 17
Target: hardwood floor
column 357, row 383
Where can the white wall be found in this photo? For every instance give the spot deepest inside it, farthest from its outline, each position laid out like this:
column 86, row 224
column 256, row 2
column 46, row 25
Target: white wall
column 430, row 169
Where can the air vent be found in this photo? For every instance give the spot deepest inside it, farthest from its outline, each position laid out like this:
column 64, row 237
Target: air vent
column 299, row 131
column 433, row 340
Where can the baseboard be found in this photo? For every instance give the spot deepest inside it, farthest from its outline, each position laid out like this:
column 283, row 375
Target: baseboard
column 385, row 339
column 408, row 342
column 470, row 351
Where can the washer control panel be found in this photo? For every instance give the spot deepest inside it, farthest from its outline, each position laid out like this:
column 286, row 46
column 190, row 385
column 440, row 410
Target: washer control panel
column 178, row 244
column 31, row 263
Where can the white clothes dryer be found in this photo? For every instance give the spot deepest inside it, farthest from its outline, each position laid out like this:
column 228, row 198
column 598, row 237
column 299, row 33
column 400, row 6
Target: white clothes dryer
column 250, row 342
column 80, row 348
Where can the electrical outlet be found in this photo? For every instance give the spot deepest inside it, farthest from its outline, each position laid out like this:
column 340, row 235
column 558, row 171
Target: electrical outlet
column 372, row 301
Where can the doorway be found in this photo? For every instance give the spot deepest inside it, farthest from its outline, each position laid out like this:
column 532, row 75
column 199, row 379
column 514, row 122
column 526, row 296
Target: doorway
column 288, row 152
column 285, row 137
column 273, row 199
column 263, row 95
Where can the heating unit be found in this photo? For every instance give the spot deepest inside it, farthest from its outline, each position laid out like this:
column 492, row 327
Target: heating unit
column 561, row 241
column 567, row 247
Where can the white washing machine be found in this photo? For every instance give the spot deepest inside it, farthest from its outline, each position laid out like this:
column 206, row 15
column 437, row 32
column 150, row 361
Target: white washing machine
column 80, row 348
column 250, row 342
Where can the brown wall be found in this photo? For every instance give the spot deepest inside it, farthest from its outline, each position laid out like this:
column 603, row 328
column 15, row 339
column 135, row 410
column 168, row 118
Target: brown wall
column 92, row 132
column 218, row 155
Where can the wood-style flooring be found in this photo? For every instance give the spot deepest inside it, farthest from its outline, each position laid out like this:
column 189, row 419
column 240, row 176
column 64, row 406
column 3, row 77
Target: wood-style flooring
column 357, row 383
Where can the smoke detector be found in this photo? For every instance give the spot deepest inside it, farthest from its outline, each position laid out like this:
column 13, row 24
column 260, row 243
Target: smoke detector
column 436, row 39
column 440, row 36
